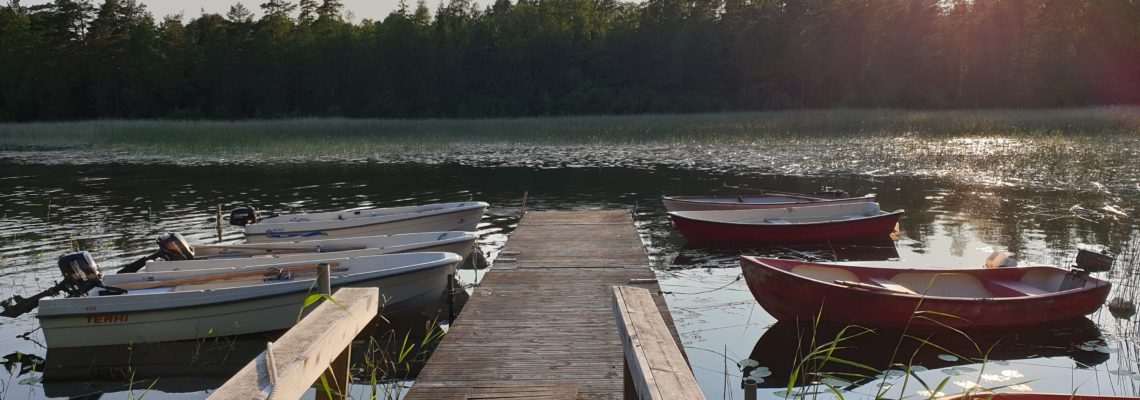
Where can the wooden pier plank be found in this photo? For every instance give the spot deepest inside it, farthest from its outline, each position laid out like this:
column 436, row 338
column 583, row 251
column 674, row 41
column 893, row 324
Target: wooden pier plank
column 547, row 316
column 657, row 368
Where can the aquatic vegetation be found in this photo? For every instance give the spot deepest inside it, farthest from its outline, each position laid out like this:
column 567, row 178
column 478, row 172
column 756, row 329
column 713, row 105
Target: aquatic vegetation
column 1050, row 148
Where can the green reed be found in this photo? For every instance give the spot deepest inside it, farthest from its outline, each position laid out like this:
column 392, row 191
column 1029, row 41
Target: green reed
column 354, row 137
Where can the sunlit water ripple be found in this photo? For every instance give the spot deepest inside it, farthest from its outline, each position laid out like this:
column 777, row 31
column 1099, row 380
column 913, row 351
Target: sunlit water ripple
column 1037, row 198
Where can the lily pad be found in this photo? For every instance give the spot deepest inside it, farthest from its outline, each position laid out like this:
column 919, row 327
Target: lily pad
column 748, row 363
column 760, row 373
column 947, row 357
column 927, row 394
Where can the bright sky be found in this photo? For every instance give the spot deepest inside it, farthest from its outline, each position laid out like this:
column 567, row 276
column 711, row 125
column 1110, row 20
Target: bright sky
column 362, row 9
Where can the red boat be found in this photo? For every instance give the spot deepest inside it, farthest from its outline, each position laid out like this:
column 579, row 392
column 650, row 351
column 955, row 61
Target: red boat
column 921, row 299
column 804, row 224
column 1033, row 396
column 762, row 200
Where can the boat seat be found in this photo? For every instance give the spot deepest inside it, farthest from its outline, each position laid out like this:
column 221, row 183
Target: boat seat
column 824, row 273
column 1047, row 280
column 952, row 284
column 1018, row 287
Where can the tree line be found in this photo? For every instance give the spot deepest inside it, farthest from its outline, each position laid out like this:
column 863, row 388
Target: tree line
column 74, row 59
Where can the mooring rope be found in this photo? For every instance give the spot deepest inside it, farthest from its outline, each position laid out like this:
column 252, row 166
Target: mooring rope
column 738, row 277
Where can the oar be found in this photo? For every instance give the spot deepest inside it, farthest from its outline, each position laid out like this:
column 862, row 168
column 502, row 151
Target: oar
column 220, row 277
column 868, row 286
column 257, row 250
column 312, row 249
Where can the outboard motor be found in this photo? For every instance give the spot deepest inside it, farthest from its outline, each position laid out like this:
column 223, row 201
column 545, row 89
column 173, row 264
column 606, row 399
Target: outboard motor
column 243, row 216
column 1091, row 261
column 173, row 247
column 832, row 193
column 80, row 274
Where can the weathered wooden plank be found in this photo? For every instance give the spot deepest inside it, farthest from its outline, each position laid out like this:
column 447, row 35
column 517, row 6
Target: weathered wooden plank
column 548, row 317
column 291, row 364
column 656, row 366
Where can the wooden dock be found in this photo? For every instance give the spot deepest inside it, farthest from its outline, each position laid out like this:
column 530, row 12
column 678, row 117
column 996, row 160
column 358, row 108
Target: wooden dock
column 541, row 323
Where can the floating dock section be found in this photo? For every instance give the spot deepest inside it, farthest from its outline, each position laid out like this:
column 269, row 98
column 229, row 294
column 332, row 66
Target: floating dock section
column 541, row 323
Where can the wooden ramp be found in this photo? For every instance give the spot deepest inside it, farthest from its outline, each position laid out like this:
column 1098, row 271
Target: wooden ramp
column 541, row 324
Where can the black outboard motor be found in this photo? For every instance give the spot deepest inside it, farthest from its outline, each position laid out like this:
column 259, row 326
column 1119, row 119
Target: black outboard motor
column 243, row 216
column 80, row 274
column 829, row 192
column 1091, row 261
column 173, row 247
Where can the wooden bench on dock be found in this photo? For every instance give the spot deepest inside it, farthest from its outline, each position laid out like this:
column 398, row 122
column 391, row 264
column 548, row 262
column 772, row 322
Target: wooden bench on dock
column 654, row 366
column 319, row 345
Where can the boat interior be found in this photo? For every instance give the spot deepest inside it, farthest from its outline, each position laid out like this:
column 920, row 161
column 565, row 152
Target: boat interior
column 1021, row 282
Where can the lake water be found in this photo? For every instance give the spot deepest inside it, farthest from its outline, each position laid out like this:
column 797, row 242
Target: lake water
column 1038, row 199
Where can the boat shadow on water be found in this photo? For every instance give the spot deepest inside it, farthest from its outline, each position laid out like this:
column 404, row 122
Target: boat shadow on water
column 785, row 344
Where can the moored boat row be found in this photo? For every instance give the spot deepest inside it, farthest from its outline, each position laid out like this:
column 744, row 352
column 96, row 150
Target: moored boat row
column 962, row 298
column 185, row 291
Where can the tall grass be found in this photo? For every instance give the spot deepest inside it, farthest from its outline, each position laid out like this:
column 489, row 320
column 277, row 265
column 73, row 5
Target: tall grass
column 338, row 136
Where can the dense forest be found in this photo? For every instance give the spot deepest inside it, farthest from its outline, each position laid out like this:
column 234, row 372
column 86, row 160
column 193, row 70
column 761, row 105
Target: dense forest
column 74, row 59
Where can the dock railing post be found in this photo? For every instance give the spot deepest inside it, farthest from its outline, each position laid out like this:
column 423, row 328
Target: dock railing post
column 324, row 278
column 336, row 375
column 749, row 386
column 219, row 225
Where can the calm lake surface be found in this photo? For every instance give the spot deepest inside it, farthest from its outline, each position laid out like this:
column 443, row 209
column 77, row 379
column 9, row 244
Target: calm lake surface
column 1038, row 199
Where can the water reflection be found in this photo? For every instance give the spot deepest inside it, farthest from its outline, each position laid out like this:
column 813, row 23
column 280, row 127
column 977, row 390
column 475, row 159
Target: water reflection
column 692, row 256
column 203, row 365
column 784, row 345
column 115, row 210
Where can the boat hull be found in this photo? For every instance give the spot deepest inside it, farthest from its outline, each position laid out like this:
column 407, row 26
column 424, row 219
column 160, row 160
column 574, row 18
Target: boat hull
column 210, row 313
column 698, row 203
column 700, row 231
column 789, row 297
column 461, row 219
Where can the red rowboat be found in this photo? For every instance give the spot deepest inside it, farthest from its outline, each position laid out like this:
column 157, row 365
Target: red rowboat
column 763, row 200
column 911, row 298
column 1032, row 396
column 802, row 224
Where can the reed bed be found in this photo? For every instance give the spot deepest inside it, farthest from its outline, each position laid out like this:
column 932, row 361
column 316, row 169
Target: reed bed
column 348, row 137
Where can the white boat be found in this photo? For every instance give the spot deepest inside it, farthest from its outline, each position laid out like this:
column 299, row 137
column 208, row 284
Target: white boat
column 463, row 216
column 195, row 304
column 236, row 255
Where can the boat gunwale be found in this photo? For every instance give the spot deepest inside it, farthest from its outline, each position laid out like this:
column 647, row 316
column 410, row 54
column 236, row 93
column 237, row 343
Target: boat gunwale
column 307, row 287
column 1099, row 283
column 413, row 248
column 366, row 223
column 809, row 199
column 883, row 214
